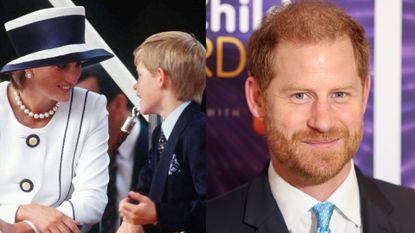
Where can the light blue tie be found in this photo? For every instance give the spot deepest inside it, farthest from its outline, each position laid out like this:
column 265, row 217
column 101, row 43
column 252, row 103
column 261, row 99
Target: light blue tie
column 323, row 211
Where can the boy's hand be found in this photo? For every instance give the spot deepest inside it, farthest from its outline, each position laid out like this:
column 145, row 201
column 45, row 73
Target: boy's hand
column 130, row 228
column 138, row 214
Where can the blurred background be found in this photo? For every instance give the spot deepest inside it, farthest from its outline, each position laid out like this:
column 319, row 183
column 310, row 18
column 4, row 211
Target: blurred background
column 236, row 149
column 123, row 24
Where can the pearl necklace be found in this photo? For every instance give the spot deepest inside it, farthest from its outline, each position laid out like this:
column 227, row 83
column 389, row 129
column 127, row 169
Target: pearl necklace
column 30, row 113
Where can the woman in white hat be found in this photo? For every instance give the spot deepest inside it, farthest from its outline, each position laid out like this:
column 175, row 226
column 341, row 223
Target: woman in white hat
column 53, row 136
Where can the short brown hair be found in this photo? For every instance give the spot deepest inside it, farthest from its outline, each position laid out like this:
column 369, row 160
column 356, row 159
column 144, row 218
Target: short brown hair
column 18, row 79
column 306, row 22
column 181, row 56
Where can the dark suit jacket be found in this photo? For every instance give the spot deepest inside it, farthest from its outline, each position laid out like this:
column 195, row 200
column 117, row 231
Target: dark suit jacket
column 180, row 194
column 385, row 208
column 140, row 151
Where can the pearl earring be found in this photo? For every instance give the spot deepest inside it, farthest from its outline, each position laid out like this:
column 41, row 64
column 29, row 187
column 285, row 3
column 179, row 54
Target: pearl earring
column 28, row 75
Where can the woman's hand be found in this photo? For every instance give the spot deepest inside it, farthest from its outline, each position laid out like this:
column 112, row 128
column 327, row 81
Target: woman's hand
column 20, row 227
column 47, row 219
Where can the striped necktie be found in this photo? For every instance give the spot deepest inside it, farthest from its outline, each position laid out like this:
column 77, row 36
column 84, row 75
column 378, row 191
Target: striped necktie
column 161, row 144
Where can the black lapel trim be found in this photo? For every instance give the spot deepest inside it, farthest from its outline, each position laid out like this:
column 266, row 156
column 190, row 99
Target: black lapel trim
column 63, row 147
column 73, row 210
column 77, row 141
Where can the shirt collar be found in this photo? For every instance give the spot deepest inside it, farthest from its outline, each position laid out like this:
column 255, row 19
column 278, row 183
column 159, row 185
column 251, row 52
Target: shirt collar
column 126, row 148
column 294, row 203
column 347, row 199
column 170, row 121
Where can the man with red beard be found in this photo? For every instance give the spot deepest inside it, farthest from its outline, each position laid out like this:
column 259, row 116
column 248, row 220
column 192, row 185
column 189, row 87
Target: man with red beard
column 309, row 83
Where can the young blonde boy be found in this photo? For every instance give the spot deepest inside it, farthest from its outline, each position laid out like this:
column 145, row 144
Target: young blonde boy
column 171, row 80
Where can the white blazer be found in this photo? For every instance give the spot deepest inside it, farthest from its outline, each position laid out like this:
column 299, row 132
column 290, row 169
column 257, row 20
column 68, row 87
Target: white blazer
column 67, row 169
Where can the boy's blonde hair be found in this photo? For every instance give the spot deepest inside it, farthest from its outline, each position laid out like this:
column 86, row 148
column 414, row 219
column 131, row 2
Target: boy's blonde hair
column 181, row 56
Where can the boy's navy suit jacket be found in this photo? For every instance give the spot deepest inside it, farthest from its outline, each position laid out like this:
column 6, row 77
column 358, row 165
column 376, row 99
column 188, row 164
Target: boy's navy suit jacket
column 177, row 182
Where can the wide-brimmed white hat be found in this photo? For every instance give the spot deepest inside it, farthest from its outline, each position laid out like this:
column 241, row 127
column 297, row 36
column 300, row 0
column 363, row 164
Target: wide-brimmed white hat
column 49, row 37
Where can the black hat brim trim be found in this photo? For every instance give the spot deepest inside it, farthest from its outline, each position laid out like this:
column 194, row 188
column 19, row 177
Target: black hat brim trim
column 86, row 58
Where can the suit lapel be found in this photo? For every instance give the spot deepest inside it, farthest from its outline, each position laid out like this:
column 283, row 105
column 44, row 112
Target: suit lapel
column 263, row 214
column 375, row 207
column 162, row 168
column 262, row 211
column 140, row 151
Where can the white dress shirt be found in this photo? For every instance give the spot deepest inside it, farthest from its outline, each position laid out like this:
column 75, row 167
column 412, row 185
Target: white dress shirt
column 168, row 124
column 295, row 205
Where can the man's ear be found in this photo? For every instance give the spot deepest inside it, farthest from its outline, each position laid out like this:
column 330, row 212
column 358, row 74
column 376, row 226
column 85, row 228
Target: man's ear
column 366, row 91
column 254, row 98
column 163, row 78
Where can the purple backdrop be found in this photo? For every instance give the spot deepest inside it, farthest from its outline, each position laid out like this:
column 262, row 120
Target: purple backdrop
column 235, row 153
column 408, row 94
